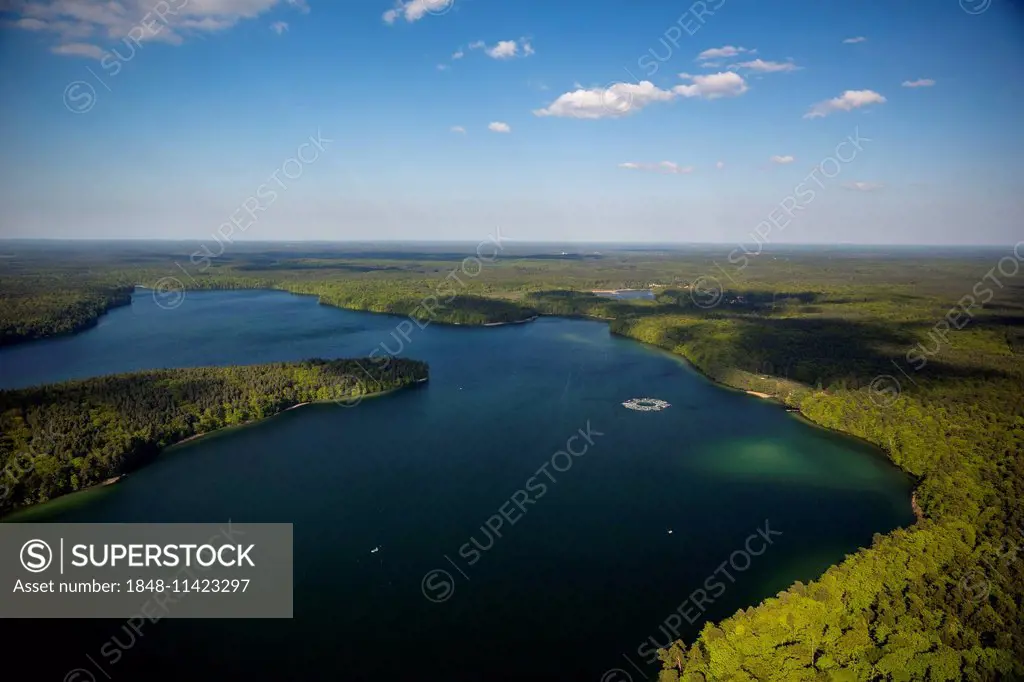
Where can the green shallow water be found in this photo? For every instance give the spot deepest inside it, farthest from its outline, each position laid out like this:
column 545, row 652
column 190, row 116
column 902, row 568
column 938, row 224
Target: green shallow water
column 574, row 588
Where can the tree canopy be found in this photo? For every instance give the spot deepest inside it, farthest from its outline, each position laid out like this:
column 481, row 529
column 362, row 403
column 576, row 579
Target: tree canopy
column 59, row 438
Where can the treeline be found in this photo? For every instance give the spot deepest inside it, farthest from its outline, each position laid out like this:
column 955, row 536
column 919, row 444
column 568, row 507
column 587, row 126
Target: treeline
column 938, row 601
column 62, row 288
column 421, row 300
column 28, row 314
column 59, row 438
column 38, row 313
column 569, row 303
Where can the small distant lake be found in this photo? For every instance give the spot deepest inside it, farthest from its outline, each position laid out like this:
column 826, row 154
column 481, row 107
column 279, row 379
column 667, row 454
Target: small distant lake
column 628, row 294
column 593, row 567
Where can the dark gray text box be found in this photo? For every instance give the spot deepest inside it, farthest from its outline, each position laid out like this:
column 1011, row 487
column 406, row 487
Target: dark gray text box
column 146, row 570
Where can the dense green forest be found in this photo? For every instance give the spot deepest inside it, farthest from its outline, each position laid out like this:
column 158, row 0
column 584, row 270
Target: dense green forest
column 818, row 329
column 51, row 288
column 938, row 601
column 37, row 308
column 417, row 300
column 59, row 438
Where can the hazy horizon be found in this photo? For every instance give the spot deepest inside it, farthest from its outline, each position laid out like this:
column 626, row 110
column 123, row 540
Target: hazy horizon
column 583, row 247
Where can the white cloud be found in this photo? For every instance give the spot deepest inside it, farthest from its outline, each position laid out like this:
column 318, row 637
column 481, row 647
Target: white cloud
column 712, row 86
column 458, row 54
column 31, row 24
column 414, row 10
column 863, row 186
column 720, row 165
column 849, row 100
column 132, row 20
column 666, row 167
column 207, row 24
column 499, row 127
column 858, row 39
column 723, row 52
column 621, row 99
column 443, row 67
column 783, row 159
column 919, row 83
column 612, row 102
column 458, row 129
column 503, row 49
column 767, row 67
column 279, row 27
column 73, row 30
column 79, row 50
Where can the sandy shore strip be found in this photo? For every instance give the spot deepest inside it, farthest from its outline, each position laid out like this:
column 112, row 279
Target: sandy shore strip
column 759, row 394
column 185, row 440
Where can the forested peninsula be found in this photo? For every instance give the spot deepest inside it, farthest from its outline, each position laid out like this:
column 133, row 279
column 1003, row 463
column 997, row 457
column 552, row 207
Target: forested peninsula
column 35, row 310
column 64, row 437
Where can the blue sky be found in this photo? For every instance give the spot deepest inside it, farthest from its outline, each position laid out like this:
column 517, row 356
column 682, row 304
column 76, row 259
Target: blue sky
column 169, row 136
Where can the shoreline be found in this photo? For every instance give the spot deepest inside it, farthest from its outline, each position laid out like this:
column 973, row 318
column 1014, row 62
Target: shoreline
column 799, row 415
column 196, row 436
column 80, row 328
column 502, row 324
column 407, row 316
column 252, row 422
column 759, row 394
column 93, row 322
column 916, row 508
column 192, row 437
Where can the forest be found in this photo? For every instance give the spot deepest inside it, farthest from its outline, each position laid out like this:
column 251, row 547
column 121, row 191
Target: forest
column 37, row 309
column 938, row 601
column 53, row 288
column 814, row 328
column 60, row 438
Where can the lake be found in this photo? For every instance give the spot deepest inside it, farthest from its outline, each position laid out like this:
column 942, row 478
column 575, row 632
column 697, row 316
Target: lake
column 629, row 294
column 589, row 571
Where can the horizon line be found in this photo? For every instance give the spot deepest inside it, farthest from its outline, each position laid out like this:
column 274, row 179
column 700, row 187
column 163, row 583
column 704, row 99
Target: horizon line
column 514, row 240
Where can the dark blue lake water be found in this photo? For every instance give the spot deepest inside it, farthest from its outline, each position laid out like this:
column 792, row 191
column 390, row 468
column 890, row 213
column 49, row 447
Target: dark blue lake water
column 574, row 586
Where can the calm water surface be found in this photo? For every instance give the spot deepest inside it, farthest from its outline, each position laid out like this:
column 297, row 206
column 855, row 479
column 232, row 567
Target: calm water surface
column 627, row 294
column 572, row 589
